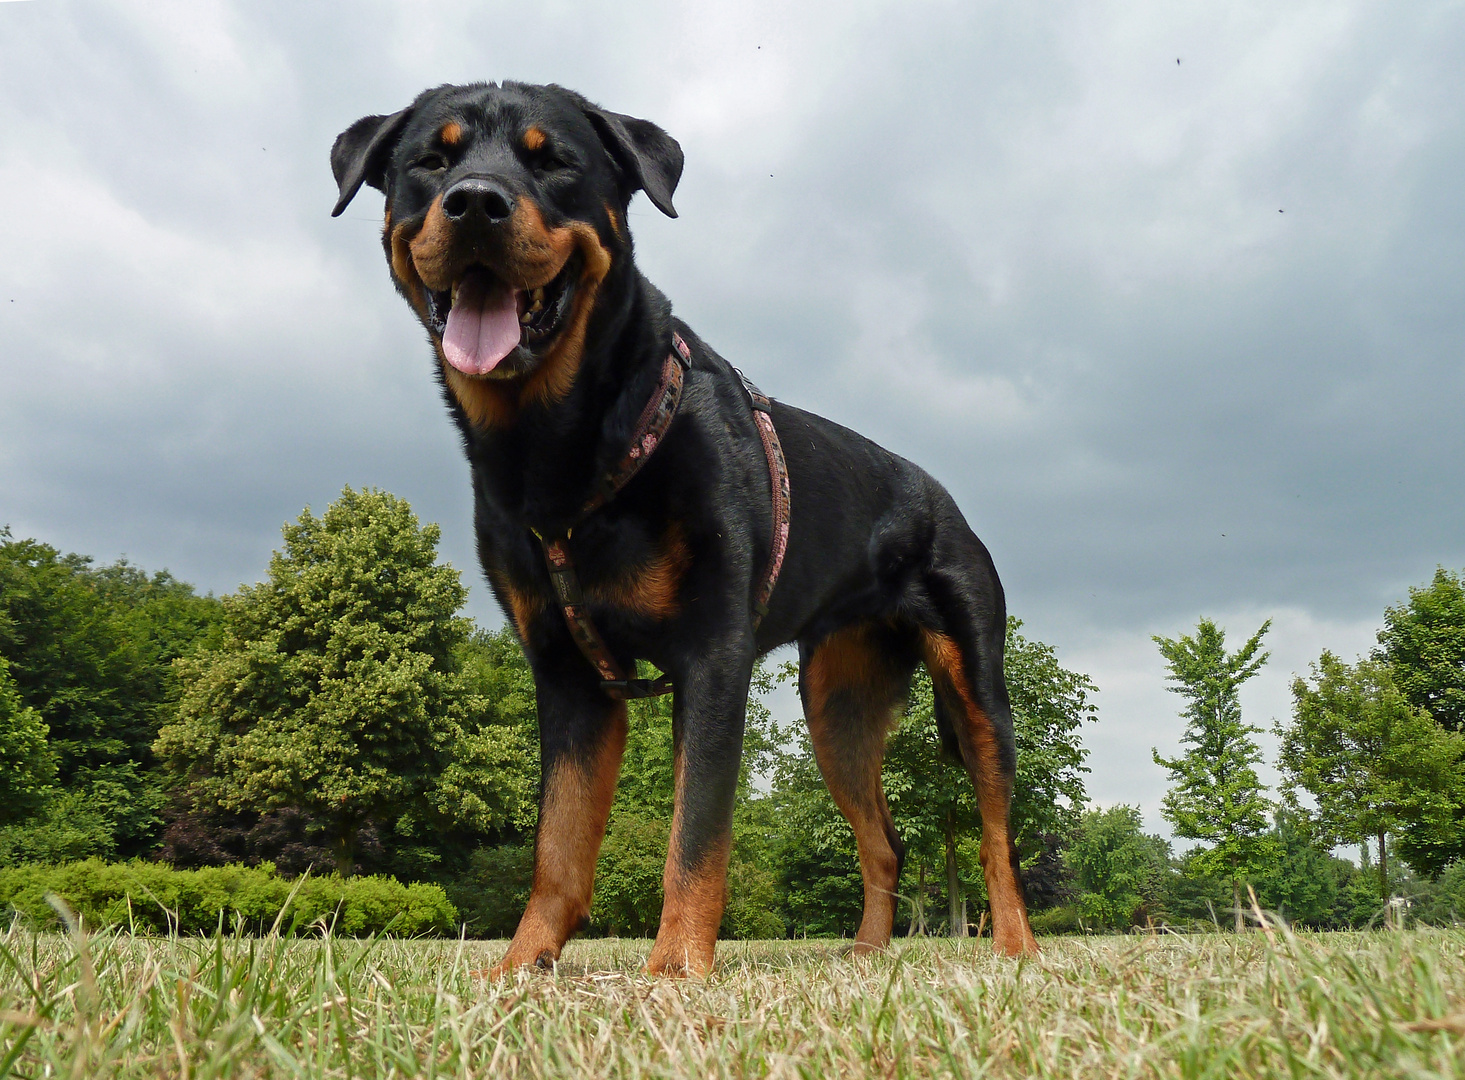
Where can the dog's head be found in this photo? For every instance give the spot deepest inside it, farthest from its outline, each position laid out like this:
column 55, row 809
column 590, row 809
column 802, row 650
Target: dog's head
column 505, row 212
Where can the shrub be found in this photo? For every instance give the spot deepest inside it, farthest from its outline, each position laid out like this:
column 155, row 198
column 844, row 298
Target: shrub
column 69, row 827
column 752, row 903
column 628, row 876
column 152, row 897
column 1057, row 920
column 490, row 895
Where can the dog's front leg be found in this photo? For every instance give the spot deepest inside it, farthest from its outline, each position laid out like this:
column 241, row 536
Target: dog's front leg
column 582, row 735
column 708, row 716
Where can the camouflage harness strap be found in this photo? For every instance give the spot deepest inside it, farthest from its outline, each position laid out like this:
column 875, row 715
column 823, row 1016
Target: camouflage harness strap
column 652, row 425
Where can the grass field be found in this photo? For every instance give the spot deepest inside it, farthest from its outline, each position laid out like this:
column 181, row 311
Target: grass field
column 115, row 1005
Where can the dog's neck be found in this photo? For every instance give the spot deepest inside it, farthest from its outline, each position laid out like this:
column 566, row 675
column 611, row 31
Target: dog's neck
column 543, row 465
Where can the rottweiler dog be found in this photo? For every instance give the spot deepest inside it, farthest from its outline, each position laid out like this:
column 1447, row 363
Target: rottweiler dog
column 506, row 232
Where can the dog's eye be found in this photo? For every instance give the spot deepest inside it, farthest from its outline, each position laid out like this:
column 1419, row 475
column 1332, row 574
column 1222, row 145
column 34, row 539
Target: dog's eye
column 550, row 163
column 431, row 162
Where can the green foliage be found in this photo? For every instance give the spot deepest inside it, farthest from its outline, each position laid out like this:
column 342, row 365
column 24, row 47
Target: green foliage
column 1374, row 765
column 628, row 877
column 1191, row 896
column 491, row 893
column 69, row 826
column 1118, row 868
column 1423, row 642
column 752, row 911
column 128, row 798
column 492, row 778
column 1304, row 883
column 1062, row 919
column 931, row 798
column 335, row 689
column 1215, row 794
column 816, row 858
column 90, row 651
column 1440, row 902
column 1050, row 704
column 928, row 788
column 27, row 765
column 628, row 889
column 156, row 898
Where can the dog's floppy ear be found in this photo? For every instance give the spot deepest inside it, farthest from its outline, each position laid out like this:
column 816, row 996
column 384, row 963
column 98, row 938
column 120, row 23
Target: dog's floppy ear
column 649, row 156
column 361, row 152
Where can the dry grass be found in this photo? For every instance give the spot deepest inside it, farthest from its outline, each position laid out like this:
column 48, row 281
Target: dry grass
column 1381, row 1004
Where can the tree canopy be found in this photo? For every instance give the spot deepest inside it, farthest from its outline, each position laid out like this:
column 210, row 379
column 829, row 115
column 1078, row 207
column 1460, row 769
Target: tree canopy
column 89, row 650
column 27, row 765
column 335, row 690
column 1215, row 794
column 1423, row 642
column 1118, row 868
column 1374, row 764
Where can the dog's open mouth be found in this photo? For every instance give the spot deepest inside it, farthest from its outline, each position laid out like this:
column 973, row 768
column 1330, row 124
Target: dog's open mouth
column 482, row 319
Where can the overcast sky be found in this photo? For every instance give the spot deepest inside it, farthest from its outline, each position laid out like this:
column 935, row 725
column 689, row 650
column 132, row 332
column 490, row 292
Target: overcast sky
column 1170, row 295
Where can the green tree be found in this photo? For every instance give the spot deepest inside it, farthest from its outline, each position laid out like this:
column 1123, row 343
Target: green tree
column 65, row 654
column 1423, row 642
column 27, row 766
column 818, row 863
column 90, row 650
column 1215, row 794
column 1303, row 883
column 1050, row 705
column 335, row 689
column 1117, row 867
column 1375, row 765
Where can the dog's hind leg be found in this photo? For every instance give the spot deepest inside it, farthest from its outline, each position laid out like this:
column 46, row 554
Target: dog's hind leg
column 852, row 682
column 973, row 696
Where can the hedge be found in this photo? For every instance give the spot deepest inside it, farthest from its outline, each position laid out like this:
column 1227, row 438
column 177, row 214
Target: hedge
column 155, row 898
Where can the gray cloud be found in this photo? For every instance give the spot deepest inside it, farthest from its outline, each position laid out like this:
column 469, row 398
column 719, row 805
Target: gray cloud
column 1182, row 339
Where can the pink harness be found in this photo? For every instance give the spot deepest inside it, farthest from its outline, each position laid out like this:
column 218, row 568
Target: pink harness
column 652, row 425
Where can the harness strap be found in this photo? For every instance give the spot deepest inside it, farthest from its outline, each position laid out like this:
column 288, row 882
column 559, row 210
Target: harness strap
column 778, row 484
column 646, row 436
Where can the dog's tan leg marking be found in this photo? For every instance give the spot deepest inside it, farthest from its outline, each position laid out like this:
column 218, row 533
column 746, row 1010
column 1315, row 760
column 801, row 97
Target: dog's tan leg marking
column 691, row 912
column 572, row 819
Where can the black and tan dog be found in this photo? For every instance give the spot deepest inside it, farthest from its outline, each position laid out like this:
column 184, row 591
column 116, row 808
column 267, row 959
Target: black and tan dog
column 506, row 231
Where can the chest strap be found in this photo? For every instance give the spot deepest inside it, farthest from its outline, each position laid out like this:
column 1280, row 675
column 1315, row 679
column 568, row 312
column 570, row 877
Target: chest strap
column 652, row 425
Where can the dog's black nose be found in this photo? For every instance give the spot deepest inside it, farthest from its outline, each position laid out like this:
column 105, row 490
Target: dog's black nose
column 475, row 198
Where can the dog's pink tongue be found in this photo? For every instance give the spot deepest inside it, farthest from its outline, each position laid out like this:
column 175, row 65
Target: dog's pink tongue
column 483, row 325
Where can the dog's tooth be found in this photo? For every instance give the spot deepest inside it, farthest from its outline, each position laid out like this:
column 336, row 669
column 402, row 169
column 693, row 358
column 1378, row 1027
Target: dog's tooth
column 537, row 296
column 524, row 318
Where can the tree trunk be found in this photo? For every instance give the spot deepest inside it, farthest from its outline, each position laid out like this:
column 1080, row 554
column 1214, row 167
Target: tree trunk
column 1236, row 904
column 956, row 909
column 1383, row 869
column 345, row 850
column 918, row 913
